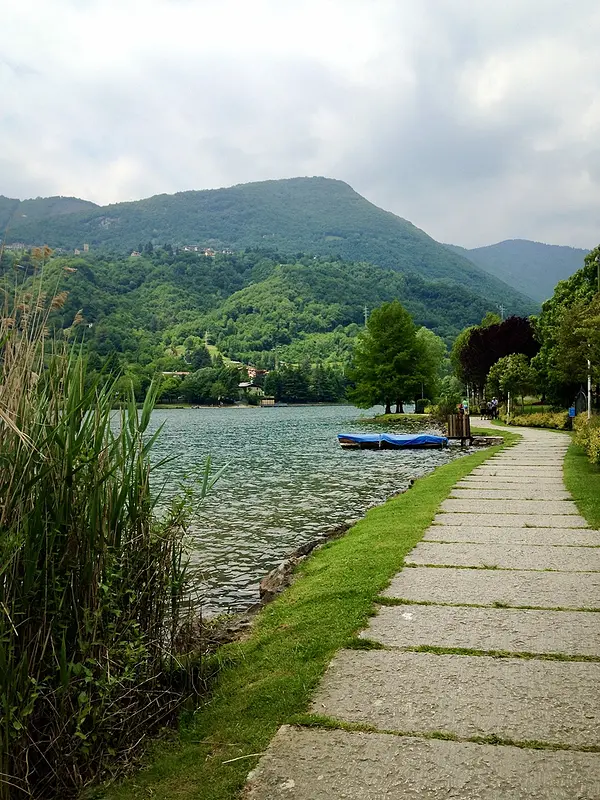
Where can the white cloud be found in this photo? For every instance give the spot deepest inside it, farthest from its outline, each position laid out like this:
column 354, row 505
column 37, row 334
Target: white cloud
column 477, row 121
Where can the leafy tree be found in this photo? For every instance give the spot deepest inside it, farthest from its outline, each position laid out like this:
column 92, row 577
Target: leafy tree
column 511, row 374
column 450, row 396
column 477, row 349
column 432, row 354
column 385, row 360
column 199, row 357
column 566, row 331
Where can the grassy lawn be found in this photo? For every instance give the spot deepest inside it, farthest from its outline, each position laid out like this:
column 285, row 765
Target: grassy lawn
column 582, row 479
column 268, row 679
column 397, row 417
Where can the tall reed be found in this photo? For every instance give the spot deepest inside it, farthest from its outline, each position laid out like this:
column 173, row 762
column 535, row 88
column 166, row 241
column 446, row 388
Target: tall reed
column 92, row 578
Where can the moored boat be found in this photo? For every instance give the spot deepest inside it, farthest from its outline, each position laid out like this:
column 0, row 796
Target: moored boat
column 390, row 441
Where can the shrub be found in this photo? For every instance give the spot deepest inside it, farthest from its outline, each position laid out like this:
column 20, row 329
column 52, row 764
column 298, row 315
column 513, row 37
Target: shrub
column 92, row 581
column 587, row 434
column 551, row 419
column 420, row 405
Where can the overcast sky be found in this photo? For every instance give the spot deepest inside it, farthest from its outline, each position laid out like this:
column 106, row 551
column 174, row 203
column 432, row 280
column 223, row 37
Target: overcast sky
column 477, row 120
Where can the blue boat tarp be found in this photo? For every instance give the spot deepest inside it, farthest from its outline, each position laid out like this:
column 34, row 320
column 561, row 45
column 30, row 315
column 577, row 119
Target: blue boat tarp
column 393, row 439
column 361, row 438
column 413, row 439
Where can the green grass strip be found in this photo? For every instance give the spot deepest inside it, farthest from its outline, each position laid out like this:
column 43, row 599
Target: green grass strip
column 331, row 723
column 270, row 678
column 582, row 479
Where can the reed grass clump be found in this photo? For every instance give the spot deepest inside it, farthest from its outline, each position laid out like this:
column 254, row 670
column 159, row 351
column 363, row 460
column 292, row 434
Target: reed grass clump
column 94, row 654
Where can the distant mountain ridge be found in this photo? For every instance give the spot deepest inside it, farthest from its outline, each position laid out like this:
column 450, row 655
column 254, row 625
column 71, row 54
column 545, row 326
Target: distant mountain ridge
column 532, row 268
column 322, row 216
column 15, row 212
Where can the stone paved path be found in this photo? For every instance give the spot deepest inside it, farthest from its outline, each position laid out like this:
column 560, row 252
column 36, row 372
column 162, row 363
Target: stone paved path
column 509, row 569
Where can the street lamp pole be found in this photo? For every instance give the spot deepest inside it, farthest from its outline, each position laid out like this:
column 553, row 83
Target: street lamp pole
column 589, row 392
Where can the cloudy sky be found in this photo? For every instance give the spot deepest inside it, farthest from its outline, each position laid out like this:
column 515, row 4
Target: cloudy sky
column 478, row 120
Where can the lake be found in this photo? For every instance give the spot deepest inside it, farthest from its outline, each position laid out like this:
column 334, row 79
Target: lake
column 287, row 480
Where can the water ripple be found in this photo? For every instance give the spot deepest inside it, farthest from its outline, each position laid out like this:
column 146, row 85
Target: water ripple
column 287, row 480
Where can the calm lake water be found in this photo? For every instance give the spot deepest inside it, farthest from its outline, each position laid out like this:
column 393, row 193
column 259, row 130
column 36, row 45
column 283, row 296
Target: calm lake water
column 287, row 480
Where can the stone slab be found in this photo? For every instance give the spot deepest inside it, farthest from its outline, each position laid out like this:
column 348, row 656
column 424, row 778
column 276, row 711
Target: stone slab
column 504, row 556
column 525, row 462
column 569, row 537
column 511, row 506
column 523, row 491
column 510, row 480
column 520, row 699
column 511, row 520
column 487, row 587
column 309, row 764
column 507, row 629
column 514, row 469
column 531, row 491
column 518, row 471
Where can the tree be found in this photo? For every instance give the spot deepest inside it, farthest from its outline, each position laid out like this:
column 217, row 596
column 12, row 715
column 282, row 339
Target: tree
column 199, row 357
column 432, row 353
column 478, row 348
column 511, row 374
column 385, row 360
column 564, row 333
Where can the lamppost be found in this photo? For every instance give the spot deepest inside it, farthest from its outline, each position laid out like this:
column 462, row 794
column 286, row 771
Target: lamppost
column 589, row 391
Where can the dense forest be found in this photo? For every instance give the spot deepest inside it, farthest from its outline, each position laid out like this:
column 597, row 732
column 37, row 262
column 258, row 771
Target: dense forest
column 159, row 311
column 320, row 216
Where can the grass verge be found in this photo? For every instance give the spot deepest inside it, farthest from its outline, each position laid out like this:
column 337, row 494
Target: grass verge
column 582, row 479
column 269, row 679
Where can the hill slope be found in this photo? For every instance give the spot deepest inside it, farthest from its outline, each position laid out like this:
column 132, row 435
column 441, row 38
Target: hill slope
column 316, row 215
column 532, row 268
column 19, row 213
column 252, row 305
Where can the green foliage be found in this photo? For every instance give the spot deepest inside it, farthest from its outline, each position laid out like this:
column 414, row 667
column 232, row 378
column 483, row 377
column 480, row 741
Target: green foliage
column 212, row 385
column 314, row 215
column 385, row 364
column 151, row 314
column 432, row 358
column 93, row 642
column 305, row 384
column 557, row 420
column 478, row 348
column 561, row 330
column 587, row 436
column 450, row 395
column 582, row 479
column 511, row 374
column 578, row 340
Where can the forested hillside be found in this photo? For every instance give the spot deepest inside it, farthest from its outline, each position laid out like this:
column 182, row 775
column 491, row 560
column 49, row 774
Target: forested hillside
column 15, row 214
column 311, row 215
column 155, row 311
column 532, row 268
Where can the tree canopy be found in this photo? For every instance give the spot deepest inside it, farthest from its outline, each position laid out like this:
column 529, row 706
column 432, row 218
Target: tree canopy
column 386, row 365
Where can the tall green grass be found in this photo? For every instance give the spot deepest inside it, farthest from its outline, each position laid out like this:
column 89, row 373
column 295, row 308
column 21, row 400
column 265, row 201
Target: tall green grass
column 93, row 638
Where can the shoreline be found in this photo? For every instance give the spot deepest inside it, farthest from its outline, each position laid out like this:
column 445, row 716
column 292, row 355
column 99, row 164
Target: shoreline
column 267, row 679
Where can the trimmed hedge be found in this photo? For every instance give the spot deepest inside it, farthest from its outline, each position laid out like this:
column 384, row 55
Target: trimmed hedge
column 559, row 420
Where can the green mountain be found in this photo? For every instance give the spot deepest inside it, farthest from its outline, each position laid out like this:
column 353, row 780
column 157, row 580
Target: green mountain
column 310, row 215
column 16, row 214
column 532, row 268
column 149, row 311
